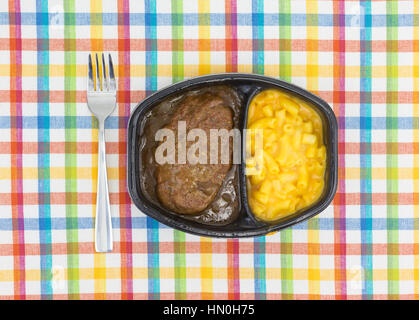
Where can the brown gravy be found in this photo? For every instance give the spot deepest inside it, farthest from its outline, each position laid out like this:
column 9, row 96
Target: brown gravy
column 226, row 205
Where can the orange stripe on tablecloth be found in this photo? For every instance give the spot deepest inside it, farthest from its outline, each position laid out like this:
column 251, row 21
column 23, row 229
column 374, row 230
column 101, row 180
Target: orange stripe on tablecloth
column 31, row 198
column 381, row 147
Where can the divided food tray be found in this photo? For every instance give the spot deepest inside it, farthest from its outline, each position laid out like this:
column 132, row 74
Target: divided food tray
column 245, row 224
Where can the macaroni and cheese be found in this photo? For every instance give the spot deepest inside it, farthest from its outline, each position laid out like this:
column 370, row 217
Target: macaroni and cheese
column 289, row 174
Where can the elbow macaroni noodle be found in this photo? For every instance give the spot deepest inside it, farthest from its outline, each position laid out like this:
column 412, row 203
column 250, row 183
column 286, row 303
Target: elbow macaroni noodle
column 291, row 172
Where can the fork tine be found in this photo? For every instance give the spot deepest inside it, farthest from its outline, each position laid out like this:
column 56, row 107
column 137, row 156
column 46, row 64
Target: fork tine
column 98, row 88
column 112, row 83
column 90, row 83
column 105, row 80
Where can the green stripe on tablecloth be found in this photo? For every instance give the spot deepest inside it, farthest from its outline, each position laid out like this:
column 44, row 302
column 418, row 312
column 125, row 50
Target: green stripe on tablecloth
column 285, row 74
column 177, row 75
column 285, row 40
column 177, row 40
column 391, row 150
column 71, row 149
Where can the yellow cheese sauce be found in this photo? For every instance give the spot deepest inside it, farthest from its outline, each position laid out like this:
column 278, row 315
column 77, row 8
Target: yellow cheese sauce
column 289, row 174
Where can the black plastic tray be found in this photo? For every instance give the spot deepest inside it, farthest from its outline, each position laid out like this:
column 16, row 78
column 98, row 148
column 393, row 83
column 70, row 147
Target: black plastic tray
column 245, row 225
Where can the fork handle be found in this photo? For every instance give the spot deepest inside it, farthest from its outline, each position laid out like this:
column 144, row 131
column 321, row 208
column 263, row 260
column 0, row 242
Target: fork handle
column 103, row 223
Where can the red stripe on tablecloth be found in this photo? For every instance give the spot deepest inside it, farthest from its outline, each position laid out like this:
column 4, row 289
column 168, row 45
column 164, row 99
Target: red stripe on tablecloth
column 231, row 46
column 231, row 42
column 298, row 248
column 114, row 147
column 339, row 108
column 192, row 45
column 124, row 96
column 124, row 112
column 16, row 196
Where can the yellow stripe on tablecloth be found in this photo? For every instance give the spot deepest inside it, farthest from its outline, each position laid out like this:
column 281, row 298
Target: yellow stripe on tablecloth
column 415, row 173
column 313, row 86
column 204, row 33
column 100, row 270
column 206, row 270
column 195, row 273
column 204, row 68
column 31, row 173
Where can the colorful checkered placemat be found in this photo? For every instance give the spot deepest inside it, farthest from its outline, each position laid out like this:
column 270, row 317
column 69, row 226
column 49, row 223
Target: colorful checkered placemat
column 361, row 57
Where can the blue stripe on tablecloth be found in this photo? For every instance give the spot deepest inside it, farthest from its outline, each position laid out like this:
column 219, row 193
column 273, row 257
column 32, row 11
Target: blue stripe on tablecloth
column 151, row 86
column 141, row 223
column 42, row 123
column 216, row 19
column 365, row 154
column 257, row 23
column 84, row 122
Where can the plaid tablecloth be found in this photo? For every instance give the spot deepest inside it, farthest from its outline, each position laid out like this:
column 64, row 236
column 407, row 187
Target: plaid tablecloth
column 361, row 57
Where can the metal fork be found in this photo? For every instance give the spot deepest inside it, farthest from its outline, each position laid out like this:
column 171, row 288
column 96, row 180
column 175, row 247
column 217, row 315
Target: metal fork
column 101, row 100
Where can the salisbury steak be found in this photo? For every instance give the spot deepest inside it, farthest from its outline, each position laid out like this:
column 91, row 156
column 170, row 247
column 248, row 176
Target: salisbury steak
column 190, row 188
